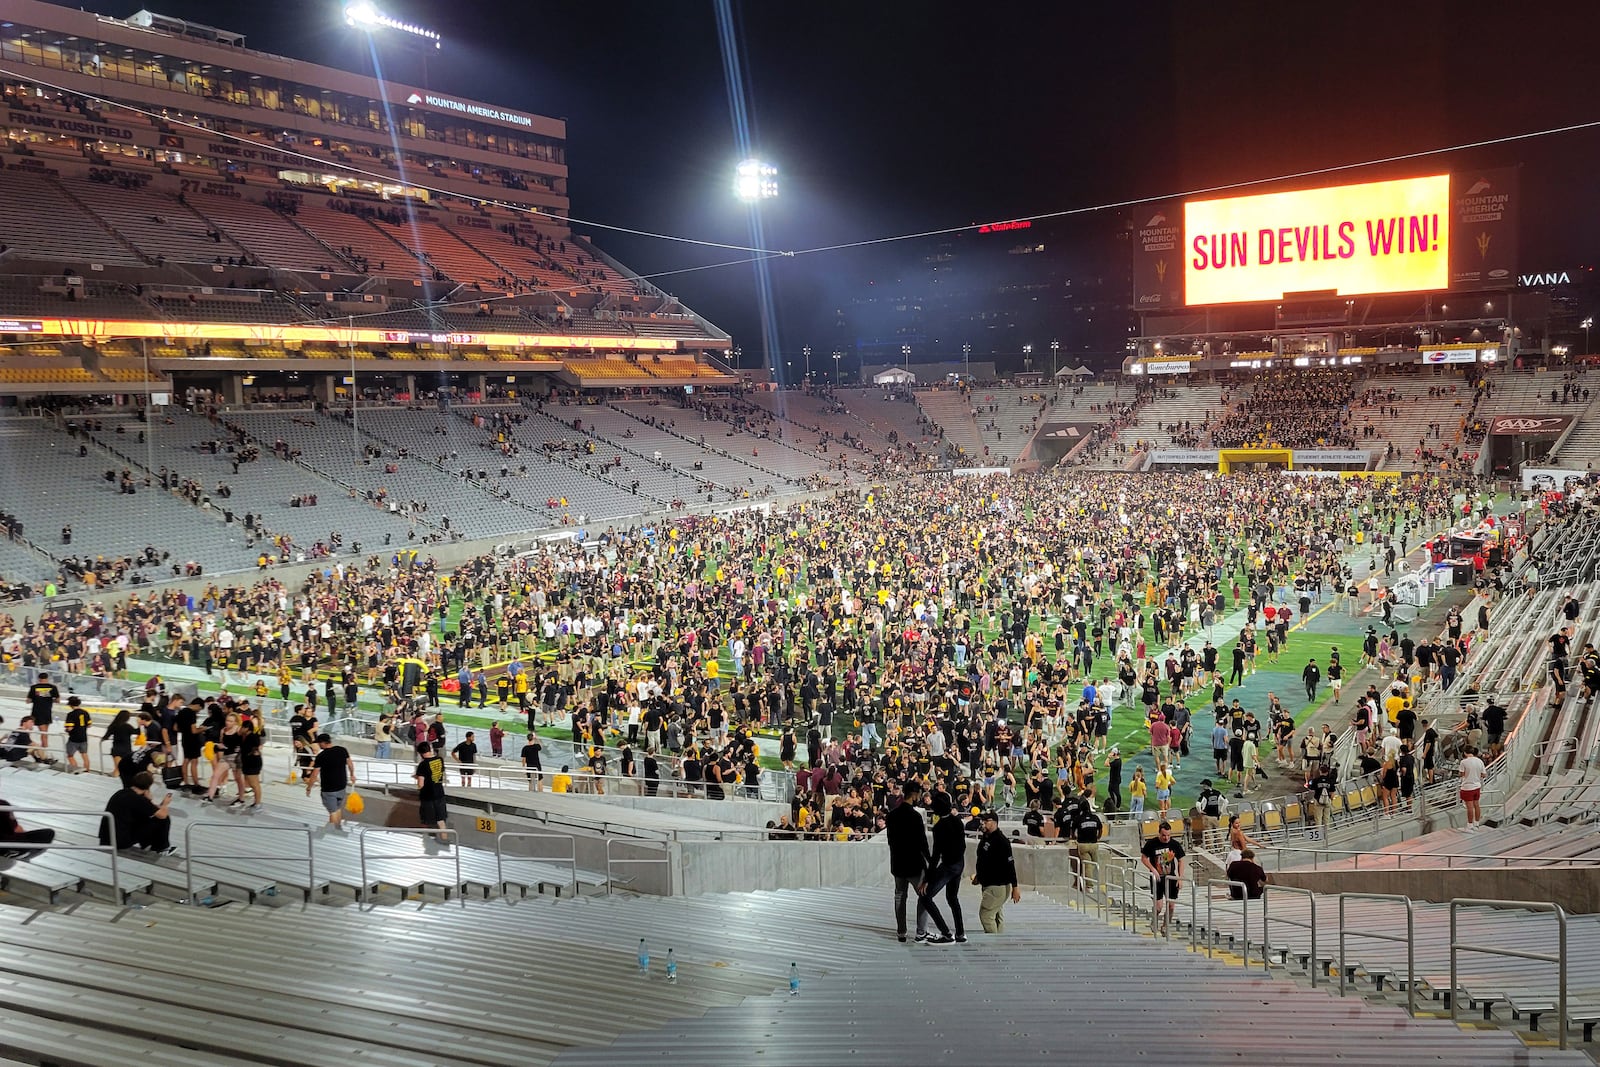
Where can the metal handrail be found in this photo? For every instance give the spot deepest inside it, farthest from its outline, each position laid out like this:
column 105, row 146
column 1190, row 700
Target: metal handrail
column 1266, row 924
column 101, row 816
column 504, row 776
column 611, row 861
column 1244, row 914
column 1504, row 861
column 571, row 859
column 1410, row 941
column 189, row 857
column 1559, row 959
column 426, row 831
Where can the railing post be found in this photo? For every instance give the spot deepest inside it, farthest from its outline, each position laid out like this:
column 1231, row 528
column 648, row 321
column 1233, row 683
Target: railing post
column 1341, row 944
column 1411, row 959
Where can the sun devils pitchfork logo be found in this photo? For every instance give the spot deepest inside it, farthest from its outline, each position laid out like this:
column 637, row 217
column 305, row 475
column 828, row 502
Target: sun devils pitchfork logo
column 1161, row 271
column 1483, row 245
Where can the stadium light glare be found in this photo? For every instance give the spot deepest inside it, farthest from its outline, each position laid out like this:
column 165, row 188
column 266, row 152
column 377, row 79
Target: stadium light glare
column 754, row 180
column 363, row 14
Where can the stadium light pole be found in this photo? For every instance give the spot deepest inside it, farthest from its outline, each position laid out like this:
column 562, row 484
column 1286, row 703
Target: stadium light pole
column 755, row 181
column 364, row 15
column 966, row 357
column 1027, row 359
column 905, row 350
column 806, row 351
column 837, row 355
column 1055, row 348
column 737, row 353
column 1586, row 324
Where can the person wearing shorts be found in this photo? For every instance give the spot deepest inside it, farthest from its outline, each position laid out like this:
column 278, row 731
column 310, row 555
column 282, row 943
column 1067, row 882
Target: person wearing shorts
column 77, row 724
column 1472, row 772
column 334, row 770
column 1163, row 857
column 430, row 776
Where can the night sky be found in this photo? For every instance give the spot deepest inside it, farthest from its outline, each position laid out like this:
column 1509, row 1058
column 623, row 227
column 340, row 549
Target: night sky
column 904, row 116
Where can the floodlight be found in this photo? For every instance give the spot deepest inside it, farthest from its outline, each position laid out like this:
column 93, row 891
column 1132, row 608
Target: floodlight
column 365, row 15
column 754, row 180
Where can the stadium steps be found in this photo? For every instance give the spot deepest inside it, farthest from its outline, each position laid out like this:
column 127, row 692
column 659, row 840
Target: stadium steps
column 952, row 411
column 1581, row 449
column 740, row 462
column 220, row 838
column 258, row 221
column 1126, row 998
column 215, row 511
column 102, row 223
column 541, row 982
column 1513, row 995
column 426, row 460
column 561, row 457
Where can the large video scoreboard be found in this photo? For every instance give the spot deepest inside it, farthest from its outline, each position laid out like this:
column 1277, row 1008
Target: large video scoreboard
column 1434, row 232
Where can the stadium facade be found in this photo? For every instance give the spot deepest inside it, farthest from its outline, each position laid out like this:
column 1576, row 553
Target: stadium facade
column 188, row 212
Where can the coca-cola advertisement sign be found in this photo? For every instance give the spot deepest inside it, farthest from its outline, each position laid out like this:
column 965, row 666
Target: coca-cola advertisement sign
column 1529, row 425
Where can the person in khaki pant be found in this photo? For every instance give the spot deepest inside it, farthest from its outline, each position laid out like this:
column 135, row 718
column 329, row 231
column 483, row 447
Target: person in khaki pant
column 996, row 871
column 1087, row 831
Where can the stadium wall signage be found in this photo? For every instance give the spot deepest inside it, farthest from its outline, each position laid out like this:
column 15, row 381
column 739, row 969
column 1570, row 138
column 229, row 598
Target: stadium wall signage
column 1529, row 425
column 106, row 329
column 479, row 111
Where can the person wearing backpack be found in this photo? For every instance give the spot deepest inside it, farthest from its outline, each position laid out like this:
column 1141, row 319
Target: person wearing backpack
column 1088, row 830
column 1210, row 803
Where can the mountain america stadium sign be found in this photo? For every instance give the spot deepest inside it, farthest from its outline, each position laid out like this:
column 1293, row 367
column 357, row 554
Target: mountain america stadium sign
column 445, row 103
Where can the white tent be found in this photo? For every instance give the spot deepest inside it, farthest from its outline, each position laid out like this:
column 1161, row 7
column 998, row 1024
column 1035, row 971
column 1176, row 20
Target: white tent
column 894, row 376
column 1075, row 372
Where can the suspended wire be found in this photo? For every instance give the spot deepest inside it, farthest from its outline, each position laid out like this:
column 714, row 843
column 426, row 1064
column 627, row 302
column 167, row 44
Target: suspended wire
column 1207, row 190
column 769, row 253
column 376, row 175
column 493, row 298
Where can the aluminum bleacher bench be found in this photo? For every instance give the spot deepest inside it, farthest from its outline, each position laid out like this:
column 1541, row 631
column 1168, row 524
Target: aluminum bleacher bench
column 86, row 1044
column 1586, row 1014
column 92, row 872
column 44, row 880
column 127, row 1012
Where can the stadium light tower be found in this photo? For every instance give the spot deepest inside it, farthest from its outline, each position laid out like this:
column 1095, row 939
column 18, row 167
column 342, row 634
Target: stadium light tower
column 364, row 15
column 1586, row 324
column 806, row 351
column 1055, row 349
column 837, row 356
column 1027, row 359
column 966, row 357
column 754, row 181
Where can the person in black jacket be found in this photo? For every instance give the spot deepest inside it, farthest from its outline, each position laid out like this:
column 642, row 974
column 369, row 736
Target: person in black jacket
column 996, row 871
column 944, row 872
column 908, row 851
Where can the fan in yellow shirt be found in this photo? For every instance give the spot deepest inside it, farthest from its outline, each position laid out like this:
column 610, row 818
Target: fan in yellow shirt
column 562, row 782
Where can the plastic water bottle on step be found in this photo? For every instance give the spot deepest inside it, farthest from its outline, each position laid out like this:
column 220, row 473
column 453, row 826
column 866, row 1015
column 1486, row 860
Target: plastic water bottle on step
column 794, row 979
column 644, row 960
column 672, row 966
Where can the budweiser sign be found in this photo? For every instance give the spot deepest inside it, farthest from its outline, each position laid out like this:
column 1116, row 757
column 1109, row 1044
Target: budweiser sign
column 1529, row 425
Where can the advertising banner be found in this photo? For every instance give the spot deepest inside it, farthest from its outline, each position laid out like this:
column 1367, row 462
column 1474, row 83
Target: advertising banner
column 1529, row 425
column 1437, row 356
column 1157, row 252
column 1377, row 237
column 1167, row 366
column 1483, row 218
